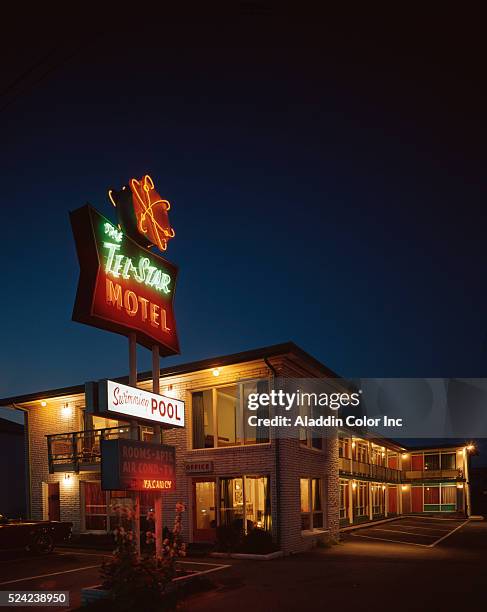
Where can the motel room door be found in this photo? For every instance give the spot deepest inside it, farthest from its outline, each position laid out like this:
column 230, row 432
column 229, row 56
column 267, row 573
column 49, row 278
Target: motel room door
column 53, row 504
column 204, row 509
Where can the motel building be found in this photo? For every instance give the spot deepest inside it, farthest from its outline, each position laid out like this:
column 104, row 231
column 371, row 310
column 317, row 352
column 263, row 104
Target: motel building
column 301, row 490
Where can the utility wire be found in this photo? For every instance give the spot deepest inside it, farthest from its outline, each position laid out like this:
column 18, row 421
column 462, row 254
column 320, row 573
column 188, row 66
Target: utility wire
column 52, row 68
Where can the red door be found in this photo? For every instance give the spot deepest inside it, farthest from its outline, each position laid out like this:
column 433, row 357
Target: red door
column 204, row 510
column 393, row 500
column 417, row 463
column 417, row 499
column 53, row 505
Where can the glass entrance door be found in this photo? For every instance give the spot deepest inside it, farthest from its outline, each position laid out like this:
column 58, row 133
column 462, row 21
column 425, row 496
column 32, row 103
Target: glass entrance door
column 204, row 515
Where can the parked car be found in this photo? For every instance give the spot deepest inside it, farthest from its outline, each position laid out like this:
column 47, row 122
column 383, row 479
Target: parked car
column 35, row 536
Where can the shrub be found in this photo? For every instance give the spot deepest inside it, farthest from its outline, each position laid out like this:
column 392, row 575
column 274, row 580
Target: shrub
column 258, row 542
column 143, row 583
column 228, row 537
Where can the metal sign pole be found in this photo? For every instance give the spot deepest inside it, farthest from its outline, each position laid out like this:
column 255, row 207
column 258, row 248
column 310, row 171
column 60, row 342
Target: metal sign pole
column 134, row 434
column 156, row 372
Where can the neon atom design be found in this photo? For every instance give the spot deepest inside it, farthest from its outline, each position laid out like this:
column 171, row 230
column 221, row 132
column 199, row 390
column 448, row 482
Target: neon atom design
column 151, row 212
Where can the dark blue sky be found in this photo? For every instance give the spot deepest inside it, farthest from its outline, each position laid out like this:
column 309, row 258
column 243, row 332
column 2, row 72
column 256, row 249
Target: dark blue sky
column 327, row 187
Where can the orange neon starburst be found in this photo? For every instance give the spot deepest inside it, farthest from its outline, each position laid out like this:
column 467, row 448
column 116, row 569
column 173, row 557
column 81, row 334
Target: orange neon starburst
column 151, row 212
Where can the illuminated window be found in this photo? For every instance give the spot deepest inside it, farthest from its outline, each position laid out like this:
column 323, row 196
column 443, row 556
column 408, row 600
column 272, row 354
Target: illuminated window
column 311, row 495
column 95, row 507
column 344, row 447
column 311, row 437
column 220, row 416
column 361, row 506
column 203, row 422
column 432, row 461
column 378, row 499
column 362, row 452
column 343, row 499
column 448, row 461
column 245, row 502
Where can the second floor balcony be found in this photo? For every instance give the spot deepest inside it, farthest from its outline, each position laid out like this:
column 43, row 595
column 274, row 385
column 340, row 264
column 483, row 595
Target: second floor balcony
column 385, row 474
column 81, row 450
column 451, row 474
column 368, row 470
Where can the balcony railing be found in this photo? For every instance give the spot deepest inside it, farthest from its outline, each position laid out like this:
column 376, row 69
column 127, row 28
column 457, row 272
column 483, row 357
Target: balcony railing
column 432, row 474
column 82, row 449
column 382, row 473
column 368, row 470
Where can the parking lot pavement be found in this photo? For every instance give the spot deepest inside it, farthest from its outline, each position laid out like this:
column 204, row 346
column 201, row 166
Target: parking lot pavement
column 70, row 570
column 64, row 570
column 417, row 531
column 351, row 575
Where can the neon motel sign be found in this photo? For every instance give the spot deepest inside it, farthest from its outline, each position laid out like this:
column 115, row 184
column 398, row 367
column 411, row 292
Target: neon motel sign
column 123, row 287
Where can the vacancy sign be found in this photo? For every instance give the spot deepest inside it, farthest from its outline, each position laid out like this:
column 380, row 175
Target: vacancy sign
column 130, row 465
column 123, row 400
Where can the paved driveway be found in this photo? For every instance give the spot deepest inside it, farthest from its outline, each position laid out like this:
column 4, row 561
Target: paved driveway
column 417, row 531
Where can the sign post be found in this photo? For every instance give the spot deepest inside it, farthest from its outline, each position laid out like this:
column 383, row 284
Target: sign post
column 126, row 288
column 157, row 432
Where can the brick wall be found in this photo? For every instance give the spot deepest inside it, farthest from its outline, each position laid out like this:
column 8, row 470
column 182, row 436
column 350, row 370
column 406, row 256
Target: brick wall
column 293, row 461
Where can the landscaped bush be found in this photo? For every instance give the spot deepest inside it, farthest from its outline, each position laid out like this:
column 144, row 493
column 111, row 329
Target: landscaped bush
column 144, row 583
column 258, row 542
column 228, row 538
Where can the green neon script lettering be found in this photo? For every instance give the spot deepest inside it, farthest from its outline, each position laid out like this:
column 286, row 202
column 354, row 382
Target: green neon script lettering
column 117, row 264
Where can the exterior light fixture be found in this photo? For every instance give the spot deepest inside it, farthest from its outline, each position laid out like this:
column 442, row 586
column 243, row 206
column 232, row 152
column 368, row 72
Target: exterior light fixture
column 353, row 443
column 470, row 447
column 68, row 481
column 383, row 487
column 66, row 411
column 404, row 487
column 405, row 455
column 43, row 403
column 354, row 485
column 216, row 371
column 459, row 485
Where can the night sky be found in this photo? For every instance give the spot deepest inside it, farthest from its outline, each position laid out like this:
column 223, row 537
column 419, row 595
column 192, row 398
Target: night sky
column 327, row 187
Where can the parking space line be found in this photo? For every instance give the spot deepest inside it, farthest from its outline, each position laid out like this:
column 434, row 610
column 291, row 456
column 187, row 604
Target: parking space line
column 448, row 534
column 27, row 579
column 429, row 518
column 428, row 528
column 83, row 554
column 199, row 573
column 356, row 535
column 419, row 535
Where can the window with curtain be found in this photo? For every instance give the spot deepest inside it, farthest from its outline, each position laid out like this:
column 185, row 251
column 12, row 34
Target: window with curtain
column 448, row 461
column 343, row 498
column 259, row 434
column 311, row 494
column 226, row 406
column 432, row 462
column 449, row 494
column 378, row 499
column 305, row 504
column 362, row 452
column 245, row 502
column 228, row 416
column 431, row 495
column 202, row 419
column 95, row 507
column 362, row 504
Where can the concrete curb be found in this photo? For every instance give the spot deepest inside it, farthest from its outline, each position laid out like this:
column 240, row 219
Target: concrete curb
column 249, row 556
